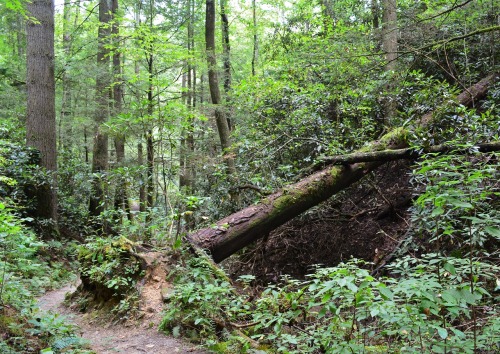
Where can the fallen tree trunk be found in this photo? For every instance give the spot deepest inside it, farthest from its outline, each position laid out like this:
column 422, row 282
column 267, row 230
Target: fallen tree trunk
column 246, row 226
column 407, row 153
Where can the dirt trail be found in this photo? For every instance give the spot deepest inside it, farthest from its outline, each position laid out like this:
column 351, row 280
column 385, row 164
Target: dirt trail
column 106, row 339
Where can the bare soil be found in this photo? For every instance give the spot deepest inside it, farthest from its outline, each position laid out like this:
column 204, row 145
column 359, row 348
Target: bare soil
column 130, row 338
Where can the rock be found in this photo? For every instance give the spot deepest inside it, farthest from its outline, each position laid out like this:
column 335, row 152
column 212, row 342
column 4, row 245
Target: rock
column 166, row 291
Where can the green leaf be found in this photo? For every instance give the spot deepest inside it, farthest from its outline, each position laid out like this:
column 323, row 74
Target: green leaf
column 443, row 333
column 459, row 203
column 493, row 231
column 450, row 268
column 386, row 293
column 451, row 297
column 352, row 287
column 437, row 211
column 469, row 297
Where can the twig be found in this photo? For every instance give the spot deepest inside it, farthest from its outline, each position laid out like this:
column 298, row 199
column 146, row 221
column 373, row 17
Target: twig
column 453, row 8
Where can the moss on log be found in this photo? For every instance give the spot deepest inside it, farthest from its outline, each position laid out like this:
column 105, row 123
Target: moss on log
column 407, row 153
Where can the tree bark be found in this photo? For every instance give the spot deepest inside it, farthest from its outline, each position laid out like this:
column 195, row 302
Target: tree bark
column 328, row 17
column 66, row 81
column 226, row 49
column 390, row 33
column 213, row 83
column 245, row 226
column 41, row 113
column 143, row 182
column 187, row 146
column 187, row 137
column 149, row 134
column 150, row 145
column 121, row 195
column 407, row 153
column 255, row 50
column 183, row 178
column 375, row 13
column 390, row 47
column 100, row 151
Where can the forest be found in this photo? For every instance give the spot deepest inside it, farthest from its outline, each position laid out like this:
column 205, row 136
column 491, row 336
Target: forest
column 249, row 176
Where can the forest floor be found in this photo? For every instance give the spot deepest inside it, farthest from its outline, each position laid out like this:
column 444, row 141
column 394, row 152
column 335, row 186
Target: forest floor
column 104, row 338
column 366, row 221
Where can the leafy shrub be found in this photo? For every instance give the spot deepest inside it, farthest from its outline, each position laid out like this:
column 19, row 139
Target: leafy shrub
column 19, row 174
column 204, row 301
column 23, row 275
column 110, row 271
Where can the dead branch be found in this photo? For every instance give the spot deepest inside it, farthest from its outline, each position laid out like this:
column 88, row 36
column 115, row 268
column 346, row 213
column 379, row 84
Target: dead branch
column 408, row 153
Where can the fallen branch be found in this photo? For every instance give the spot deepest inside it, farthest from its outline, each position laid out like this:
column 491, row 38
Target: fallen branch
column 407, row 153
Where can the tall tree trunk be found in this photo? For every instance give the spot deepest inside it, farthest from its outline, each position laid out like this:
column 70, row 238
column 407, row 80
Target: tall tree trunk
column 202, row 89
column 138, row 97
column 375, row 13
column 245, row 226
column 121, row 195
column 255, row 50
column 143, row 182
column 86, row 145
column 226, row 54
column 100, row 151
column 188, row 171
column 390, row 47
column 149, row 138
column 182, row 145
column 150, row 169
column 149, row 133
column 213, row 82
column 190, row 101
column 390, row 33
column 40, row 113
column 65, row 82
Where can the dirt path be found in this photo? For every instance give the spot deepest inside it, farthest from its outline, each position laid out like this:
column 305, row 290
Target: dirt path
column 105, row 339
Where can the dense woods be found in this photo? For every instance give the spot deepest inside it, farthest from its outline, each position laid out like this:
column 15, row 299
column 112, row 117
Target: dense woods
column 308, row 176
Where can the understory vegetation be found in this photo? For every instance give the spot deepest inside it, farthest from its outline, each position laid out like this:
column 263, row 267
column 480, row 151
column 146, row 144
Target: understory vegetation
column 28, row 266
column 175, row 116
column 440, row 294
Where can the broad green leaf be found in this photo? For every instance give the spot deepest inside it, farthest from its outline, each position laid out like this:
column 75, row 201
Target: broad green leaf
column 443, row 333
column 386, row 293
column 437, row 211
column 450, row 268
column 493, row 231
column 459, row 203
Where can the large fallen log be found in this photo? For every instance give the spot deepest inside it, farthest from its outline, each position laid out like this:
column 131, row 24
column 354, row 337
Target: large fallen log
column 238, row 230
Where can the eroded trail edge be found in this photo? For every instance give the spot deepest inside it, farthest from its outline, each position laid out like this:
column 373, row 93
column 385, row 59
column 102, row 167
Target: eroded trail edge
column 105, row 338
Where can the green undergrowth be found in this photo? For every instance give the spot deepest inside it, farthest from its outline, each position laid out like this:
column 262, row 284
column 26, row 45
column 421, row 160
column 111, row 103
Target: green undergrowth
column 26, row 269
column 439, row 295
column 28, row 266
column 109, row 270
